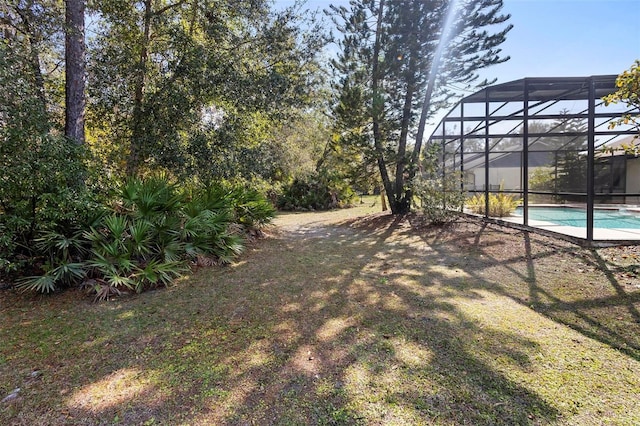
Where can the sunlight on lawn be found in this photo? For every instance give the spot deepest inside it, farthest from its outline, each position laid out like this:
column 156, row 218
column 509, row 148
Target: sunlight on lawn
column 118, row 388
column 410, row 353
column 333, row 327
column 554, row 361
column 447, row 271
column 343, row 327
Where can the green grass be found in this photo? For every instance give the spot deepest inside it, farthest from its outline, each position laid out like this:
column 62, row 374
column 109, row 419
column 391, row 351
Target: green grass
column 335, row 320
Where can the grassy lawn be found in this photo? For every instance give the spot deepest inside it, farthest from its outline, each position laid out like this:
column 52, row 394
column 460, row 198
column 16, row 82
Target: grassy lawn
column 341, row 319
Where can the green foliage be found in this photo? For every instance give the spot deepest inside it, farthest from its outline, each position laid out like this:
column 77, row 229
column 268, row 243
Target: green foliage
column 542, row 179
column 62, row 256
column 204, row 92
column 299, row 146
column 198, row 89
column 248, row 207
column 500, row 205
column 206, row 230
column 440, row 196
column 11, row 230
column 570, row 170
column 150, row 236
column 152, row 232
column 40, row 193
column 628, row 84
column 572, row 175
column 441, row 199
column 41, row 184
column 393, row 54
column 251, row 209
column 316, row 192
column 132, row 253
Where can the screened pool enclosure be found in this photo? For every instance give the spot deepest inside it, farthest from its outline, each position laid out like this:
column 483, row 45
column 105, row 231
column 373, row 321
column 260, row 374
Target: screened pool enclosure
column 547, row 143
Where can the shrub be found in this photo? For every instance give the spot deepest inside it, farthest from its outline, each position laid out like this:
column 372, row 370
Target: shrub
column 63, row 262
column 11, row 230
column 500, row 205
column 440, row 199
column 40, row 192
column 152, row 234
column 250, row 208
column 207, row 227
column 316, row 192
column 49, row 237
column 148, row 237
column 132, row 253
column 542, row 179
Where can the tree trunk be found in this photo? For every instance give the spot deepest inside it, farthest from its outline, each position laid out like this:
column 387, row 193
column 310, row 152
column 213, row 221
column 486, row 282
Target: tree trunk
column 377, row 107
column 383, row 195
column 426, row 104
column 137, row 134
column 74, row 70
column 30, row 29
column 403, row 166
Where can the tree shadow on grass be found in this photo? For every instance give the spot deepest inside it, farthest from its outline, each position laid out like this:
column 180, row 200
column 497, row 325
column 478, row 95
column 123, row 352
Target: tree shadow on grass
column 340, row 325
column 571, row 285
column 354, row 348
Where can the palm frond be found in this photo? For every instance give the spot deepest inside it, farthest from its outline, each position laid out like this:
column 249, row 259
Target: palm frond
column 41, row 284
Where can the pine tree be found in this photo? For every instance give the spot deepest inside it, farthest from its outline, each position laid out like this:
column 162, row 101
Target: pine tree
column 402, row 55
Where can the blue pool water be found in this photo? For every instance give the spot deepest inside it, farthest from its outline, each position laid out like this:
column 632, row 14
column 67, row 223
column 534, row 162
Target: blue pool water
column 568, row 216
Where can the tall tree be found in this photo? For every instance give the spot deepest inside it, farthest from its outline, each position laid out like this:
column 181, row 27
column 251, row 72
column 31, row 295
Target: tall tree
column 30, row 32
column 37, row 163
column 398, row 55
column 159, row 67
column 74, row 70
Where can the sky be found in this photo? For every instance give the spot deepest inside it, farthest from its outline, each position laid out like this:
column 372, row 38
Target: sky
column 558, row 38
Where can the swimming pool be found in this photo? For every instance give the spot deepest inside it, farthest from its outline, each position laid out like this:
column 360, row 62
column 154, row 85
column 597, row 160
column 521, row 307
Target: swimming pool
column 570, row 216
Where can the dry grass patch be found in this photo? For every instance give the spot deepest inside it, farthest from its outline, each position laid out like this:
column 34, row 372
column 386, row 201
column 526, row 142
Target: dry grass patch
column 335, row 319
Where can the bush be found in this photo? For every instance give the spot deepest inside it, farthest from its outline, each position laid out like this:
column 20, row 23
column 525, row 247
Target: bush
column 207, row 229
column 500, row 205
column 440, row 199
column 316, row 192
column 151, row 233
column 63, row 262
column 30, row 235
column 250, row 208
column 542, row 179
column 138, row 245
column 40, row 191
column 157, row 231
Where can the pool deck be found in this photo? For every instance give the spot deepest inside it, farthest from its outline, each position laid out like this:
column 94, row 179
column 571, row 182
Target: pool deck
column 600, row 234
column 576, row 234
